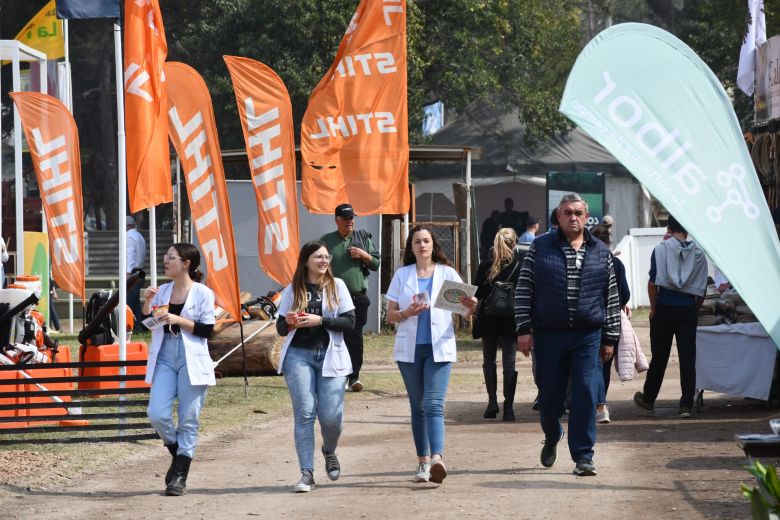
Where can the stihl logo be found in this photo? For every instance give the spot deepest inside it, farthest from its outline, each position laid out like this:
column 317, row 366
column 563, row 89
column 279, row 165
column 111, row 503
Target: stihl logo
column 135, row 86
column 351, row 125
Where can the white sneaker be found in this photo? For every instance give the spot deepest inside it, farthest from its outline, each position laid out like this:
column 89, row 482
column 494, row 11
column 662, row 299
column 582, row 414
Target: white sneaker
column 423, row 472
column 306, row 483
column 602, row 417
column 357, row 386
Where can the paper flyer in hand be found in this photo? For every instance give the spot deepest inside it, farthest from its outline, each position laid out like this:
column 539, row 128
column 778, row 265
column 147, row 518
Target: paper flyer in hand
column 423, row 298
column 450, row 295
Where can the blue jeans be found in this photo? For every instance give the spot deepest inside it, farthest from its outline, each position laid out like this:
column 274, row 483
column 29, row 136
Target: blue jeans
column 313, row 397
column 426, row 384
column 561, row 357
column 170, row 381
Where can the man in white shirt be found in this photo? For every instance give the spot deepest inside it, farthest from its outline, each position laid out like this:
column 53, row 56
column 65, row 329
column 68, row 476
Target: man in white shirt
column 136, row 254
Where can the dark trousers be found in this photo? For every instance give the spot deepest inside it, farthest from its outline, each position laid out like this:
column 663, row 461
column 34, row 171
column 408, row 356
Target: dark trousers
column 562, row 358
column 508, row 345
column 134, row 301
column 671, row 321
column 354, row 338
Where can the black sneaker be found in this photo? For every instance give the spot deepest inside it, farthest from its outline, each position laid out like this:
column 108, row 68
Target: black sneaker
column 332, row 466
column 585, row 468
column 550, row 452
column 306, row 483
column 639, row 400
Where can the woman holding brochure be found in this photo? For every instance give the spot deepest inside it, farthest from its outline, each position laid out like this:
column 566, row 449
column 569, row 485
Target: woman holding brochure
column 314, row 312
column 425, row 343
column 179, row 365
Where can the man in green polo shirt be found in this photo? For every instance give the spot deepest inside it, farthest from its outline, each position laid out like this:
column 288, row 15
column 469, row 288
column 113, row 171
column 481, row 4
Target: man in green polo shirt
column 353, row 256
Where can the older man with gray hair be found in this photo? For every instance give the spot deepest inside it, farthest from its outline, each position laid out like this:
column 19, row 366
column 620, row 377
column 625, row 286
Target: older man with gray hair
column 568, row 310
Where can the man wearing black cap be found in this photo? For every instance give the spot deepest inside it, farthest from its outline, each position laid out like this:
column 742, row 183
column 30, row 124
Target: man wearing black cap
column 353, row 256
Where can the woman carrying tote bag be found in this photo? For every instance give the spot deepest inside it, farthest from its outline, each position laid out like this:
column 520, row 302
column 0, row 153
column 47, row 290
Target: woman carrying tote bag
column 495, row 324
column 314, row 312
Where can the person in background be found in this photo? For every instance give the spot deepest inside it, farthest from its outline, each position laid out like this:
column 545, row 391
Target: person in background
column 498, row 331
column 567, row 309
column 179, row 365
column 722, row 283
column 354, row 256
column 488, row 233
column 678, row 282
column 424, row 344
column 136, row 254
column 624, row 294
column 532, row 228
column 553, row 221
column 315, row 313
column 606, row 222
column 511, row 218
column 54, row 319
column 3, row 260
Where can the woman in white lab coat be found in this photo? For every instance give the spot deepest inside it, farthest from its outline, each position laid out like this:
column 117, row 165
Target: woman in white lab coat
column 424, row 344
column 179, row 364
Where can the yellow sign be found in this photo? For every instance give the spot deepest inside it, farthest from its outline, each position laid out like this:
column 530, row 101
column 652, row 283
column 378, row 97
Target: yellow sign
column 36, row 262
column 44, row 33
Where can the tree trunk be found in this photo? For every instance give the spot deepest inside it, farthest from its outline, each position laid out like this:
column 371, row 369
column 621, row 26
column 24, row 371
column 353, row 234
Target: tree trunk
column 262, row 350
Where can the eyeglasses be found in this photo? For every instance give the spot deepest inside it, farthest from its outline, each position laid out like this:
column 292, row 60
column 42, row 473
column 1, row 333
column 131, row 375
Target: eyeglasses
column 172, row 257
column 326, row 258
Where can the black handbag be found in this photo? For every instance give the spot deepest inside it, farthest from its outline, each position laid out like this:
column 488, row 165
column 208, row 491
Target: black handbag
column 499, row 302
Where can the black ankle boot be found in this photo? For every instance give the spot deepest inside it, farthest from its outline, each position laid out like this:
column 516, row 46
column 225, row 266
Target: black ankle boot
column 173, row 448
column 181, row 468
column 510, row 383
column 491, row 384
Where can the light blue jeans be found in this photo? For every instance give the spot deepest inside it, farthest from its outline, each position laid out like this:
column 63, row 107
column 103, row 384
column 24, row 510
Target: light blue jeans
column 426, row 384
column 170, row 381
column 313, row 396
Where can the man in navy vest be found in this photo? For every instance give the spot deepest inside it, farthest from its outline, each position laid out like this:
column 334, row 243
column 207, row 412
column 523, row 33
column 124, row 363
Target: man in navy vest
column 567, row 310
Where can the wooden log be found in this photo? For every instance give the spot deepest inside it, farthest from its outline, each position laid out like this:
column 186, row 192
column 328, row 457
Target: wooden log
column 262, row 350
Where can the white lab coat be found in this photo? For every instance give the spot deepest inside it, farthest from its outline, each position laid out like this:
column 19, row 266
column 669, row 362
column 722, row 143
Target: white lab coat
column 199, row 306
column 342, row 366
column 402, row 287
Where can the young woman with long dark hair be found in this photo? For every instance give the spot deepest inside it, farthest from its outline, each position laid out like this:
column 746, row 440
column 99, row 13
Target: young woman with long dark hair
column 424, row 344
column 314, row 312
column 179, row 365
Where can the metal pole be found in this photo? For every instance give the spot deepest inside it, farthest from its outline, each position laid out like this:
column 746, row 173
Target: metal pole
column 153, row 244
column 468, row 216
column 243, row 355
column 69, row 103
column 178, row 201
column 122, row 207
column 19, row 187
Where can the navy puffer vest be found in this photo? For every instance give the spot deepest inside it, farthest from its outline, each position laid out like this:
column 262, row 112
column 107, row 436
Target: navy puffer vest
column 550, row 308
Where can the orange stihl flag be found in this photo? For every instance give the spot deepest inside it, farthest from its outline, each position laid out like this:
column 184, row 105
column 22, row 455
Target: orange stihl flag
column 354, row 135
column 194, row 135
column 146, row 123
column 266, row 118
column 54, row 147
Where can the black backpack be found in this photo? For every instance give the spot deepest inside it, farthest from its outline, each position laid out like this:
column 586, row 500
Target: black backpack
column 499, row 302
column 103, row 334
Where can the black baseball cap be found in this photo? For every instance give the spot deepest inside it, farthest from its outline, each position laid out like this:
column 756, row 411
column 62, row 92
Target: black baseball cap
column 345, row 211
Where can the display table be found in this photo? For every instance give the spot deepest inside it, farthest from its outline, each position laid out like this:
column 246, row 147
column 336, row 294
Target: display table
column 737, row 359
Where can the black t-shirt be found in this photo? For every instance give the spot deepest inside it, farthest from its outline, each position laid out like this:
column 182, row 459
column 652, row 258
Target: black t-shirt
column 311, row 337
column 174, row 308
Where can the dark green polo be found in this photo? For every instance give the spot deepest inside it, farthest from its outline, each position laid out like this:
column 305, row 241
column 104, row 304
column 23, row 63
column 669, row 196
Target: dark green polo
column 345, row 267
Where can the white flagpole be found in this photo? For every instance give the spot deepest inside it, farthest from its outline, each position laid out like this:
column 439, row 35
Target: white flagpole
column 153, row 244
column 69, row 103
column 122, row 203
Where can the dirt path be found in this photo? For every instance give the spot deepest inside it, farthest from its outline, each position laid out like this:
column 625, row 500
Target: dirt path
column 649, row 467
